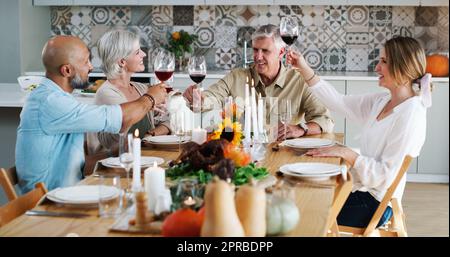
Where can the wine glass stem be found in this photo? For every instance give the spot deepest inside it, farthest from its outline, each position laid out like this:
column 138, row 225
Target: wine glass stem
column 289, row 66
column 128, row 179
column 179, row 144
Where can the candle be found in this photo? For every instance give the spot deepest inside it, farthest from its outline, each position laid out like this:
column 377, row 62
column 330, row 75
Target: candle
column 137, row 161
column 260, row 114
column 155, row 184
column 189, row 202
column 247, row 113
column 199, row 135
column 254, row 115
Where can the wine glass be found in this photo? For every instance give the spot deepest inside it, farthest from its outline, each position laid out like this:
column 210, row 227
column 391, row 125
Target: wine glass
column 285, row 114
column 126, row 154
column 178, row 126
column 164, row 66
column 197, row 72
column 289, row 31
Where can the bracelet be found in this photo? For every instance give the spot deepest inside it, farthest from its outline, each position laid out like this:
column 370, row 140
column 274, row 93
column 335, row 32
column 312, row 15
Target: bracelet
column 308, row 80
column 152, row 100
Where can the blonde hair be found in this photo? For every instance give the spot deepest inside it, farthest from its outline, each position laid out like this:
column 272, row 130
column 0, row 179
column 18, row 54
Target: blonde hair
column 406, row 59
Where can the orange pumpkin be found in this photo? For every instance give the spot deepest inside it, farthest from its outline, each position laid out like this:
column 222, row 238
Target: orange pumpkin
column 184, row 222
column 437, row 65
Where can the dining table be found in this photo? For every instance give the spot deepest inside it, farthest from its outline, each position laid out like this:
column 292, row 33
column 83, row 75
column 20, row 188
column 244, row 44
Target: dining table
column 314, row 199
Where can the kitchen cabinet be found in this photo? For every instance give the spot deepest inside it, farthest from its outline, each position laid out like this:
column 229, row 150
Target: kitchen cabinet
column 434, row 2
column 310, row 2
column 433, row 158
column 52, row 2
column 171, row 2
column 105, row 2
column 384, row 2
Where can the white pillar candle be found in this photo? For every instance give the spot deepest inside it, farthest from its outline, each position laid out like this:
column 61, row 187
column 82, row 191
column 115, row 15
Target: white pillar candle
column 155, row 184
column 260, row 114
column 254, row 115
column 247, row 113
column 199, row 135
column 136, row 161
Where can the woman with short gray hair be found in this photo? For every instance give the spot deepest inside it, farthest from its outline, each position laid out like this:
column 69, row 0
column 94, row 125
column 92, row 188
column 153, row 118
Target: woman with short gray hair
column 122, row 56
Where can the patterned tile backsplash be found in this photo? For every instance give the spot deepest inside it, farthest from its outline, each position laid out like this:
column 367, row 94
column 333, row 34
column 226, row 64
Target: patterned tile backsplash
column 332, row 38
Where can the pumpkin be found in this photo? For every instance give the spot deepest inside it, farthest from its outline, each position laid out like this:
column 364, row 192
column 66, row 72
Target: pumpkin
column 282, row 215
column 184, row 222
column 437, row 65
column 251, row 209
column 221, row 219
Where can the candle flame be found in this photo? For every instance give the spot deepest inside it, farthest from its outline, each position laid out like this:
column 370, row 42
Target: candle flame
column 136, row 133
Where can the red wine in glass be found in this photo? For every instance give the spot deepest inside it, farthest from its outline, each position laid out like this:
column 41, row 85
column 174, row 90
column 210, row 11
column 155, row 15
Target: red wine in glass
column 197, row 77
column 163, row 75
column 289, row 39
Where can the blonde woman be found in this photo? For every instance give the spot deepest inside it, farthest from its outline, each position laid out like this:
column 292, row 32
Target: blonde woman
column 122, row 57
column 394, row 125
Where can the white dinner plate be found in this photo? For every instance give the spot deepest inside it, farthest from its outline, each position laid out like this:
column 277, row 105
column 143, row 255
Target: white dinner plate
column 311, row 170
column 84, row 194
column 146, row 161
column 166, row 139
column 308, row 143
column 28, row 83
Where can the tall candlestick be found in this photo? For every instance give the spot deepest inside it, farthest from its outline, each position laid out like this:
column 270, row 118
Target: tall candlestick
column 247, row 113
column 199, row 135
column 137, row 161
column 260, row 114
column 155, row 184
column 254, row 115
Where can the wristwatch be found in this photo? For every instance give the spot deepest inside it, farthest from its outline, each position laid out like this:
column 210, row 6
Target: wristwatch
column 303, row 126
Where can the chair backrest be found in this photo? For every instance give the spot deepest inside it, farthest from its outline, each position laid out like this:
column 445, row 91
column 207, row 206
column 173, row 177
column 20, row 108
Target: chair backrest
column 387, row 197
column 341, row 193
column 19, row 206
column 8, row 179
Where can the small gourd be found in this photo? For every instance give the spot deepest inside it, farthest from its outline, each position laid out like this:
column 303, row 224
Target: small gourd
column 282, row 215
column 251, row 209
column 221, row 219
column 437, row 65
column 184, row 222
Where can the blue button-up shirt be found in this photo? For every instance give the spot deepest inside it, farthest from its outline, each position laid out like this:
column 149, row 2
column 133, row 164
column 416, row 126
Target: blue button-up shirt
column 50, row 137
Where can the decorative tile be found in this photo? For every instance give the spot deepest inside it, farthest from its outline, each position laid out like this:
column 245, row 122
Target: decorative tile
column 426, row 16
column 268, row 14
column 141, row 15
column 210, row 58
column 160, row 35
column 183, row 15
column 380, row 16
column 314, row 57
column 357, row 37
column 101, row 15
column 427, row 36
column 60, row 30
column 245, row 34
column 227, row 35
column 374, row 56
column 60, row 15
column 335, row 16
column 83, row 32
column 311, row 36
column 333, row 37
column 120, row 15
column 81, row 15
column 204, row 16
column 358, row 16
column 443, row 16
column 246, row 15
column 293, row 11
column 310, row 15
column 226, row 15
column 188, row 29
column 357, row 59
column 334, row 59
column 145, row 35
column 205, row 37
column 378, row 36
column 403, row 16
column 97, row 32
column 226, row 58
column 151, row 56
column 402, row 31
column 443, row 29
column 162, row 15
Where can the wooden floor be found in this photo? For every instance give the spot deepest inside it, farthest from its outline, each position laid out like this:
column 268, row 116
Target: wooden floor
column 426, row 209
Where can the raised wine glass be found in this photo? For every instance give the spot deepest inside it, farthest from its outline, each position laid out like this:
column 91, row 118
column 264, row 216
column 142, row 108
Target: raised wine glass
column 197, row 72
column 164, row 66
column 126, row 155
column 289, row 31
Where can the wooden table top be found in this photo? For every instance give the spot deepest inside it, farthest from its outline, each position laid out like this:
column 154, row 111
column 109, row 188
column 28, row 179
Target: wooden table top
column 314, row 200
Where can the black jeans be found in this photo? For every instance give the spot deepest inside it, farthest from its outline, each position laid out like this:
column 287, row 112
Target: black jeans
column 359, row 209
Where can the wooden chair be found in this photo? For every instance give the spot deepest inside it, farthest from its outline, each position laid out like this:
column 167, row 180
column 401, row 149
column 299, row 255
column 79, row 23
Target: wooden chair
column 19, row 206
column 8, row 179
column 341, row 193
column 396, row 226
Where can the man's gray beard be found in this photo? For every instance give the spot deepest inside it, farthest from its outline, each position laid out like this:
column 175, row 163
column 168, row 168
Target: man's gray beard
column 78, row 83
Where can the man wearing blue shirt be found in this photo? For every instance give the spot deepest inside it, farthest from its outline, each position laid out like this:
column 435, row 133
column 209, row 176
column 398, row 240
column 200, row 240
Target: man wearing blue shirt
column 50, row 136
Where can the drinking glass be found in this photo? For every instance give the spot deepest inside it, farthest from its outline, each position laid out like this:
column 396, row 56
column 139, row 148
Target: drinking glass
column 164, row 66
column 177, row 124
column 289, row 31
column 285, row 114
column 197, row 72
column 110, row 196
column 126, row 155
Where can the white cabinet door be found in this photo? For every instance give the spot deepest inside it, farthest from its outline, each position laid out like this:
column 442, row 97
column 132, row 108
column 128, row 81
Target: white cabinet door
column 311, row 2
column 237, row 2
column 171, row 2
column 352, row 130
column 433, row 158
column 383, row 2
column 339, row 120
column 52, row 2
column 434, row 2
column 105, row 2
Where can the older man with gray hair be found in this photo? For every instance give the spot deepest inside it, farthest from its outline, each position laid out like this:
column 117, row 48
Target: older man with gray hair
column 272, row 79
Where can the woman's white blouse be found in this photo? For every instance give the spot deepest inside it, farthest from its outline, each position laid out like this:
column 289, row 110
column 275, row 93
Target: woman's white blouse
column 384, row 143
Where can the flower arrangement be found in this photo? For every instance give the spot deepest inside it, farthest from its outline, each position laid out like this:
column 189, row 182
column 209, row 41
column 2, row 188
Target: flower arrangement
column 230, row 128
column 180, row 42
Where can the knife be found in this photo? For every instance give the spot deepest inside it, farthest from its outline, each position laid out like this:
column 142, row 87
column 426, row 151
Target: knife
column 57, row 214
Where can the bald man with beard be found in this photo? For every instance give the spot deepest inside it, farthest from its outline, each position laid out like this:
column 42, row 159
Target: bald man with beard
column 50, row 136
